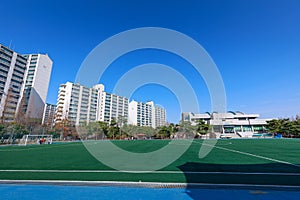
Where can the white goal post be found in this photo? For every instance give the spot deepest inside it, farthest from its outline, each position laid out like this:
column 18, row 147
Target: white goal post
column 35, row 139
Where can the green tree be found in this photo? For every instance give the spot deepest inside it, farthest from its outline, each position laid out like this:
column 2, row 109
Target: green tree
column 147, row 130
column 103, row 129
column 186, row 130
column 96, row 130
column 274, row 126
column 295, row 126
column 164, row 132
column 19, row 130
column 285, row 126
column 129, row 129
column 113, row 130
column 202, row 127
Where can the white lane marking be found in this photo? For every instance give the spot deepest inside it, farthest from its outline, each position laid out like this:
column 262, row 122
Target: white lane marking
column 154, row 172
column 257, row 156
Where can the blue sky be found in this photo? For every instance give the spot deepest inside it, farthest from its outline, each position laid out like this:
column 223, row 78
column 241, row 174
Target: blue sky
column 255, row 45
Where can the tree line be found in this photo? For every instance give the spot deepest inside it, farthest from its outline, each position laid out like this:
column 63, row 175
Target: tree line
column 288, row 127
column 66, row 130
column 11, row 132
column 112, row 130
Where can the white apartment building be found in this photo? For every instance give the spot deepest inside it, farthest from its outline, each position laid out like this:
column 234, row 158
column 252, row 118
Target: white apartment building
column 160, row 116
column 113, row 107
column 146, row 114
column 49, row 115
column 39, row 67
column 76, row 103
column 80, row 105
column 24, row 81
column 12, row 73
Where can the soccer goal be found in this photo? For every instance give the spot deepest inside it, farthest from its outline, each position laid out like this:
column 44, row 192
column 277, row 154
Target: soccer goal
column 35, row 139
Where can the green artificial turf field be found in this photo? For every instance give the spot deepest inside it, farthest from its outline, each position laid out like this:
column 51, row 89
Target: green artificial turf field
column 236, row 161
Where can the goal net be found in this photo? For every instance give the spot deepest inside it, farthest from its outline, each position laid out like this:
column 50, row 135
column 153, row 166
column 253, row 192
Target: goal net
column 35, row 139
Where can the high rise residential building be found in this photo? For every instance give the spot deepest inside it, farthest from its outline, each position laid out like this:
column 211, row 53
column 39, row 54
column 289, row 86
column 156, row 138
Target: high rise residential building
column 24, row 81
column 141, row 114
column 49, row 115
column 12, row 73
column 160, row 116
column 146, row 114
column 80, row 105
column 113, row 107
column 39, row 67
column 76, row 103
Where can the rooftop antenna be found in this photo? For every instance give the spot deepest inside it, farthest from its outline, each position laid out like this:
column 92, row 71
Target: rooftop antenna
column 10, row 43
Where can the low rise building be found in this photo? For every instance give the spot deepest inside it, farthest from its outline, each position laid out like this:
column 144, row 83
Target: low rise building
column 244, row 125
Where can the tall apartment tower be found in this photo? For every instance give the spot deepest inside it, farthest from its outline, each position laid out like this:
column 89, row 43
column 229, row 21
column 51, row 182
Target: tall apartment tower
column 24, row 81
column 49, row 115
column 80, row 105
column 141, row 114
column 146, row 114
column 39, row 67
column 76, row 103
column 113, row 107
column 12, row 73
column 160, row 116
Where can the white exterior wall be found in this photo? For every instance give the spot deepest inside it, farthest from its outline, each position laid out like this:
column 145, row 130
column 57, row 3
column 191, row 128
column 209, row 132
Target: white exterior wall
column 101, row 105
column 42, row 75
column 151, row 114
column 160, row 116
column 100, row 102
column 77, row 121
column 132, row 113
column 63, row 101
column 39, row 85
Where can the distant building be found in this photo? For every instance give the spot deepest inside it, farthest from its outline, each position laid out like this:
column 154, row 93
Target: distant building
column 39, row 69
column 49, row 115
column 12, row 73
column 146, row 114
column 231, row 122
column 160, row 116
column 113, row 107
column 81, row 105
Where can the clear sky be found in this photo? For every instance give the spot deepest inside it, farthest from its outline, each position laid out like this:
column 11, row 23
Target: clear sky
column 254, row 43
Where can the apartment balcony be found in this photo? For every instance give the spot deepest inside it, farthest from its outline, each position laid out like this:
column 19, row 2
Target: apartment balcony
column 5, row 57
column 6, row 51
column 60, row 103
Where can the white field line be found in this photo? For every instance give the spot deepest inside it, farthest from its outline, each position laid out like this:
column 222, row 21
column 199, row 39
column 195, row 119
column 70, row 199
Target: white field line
column 37, row 147
column 154, row 172
column 253, row 155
